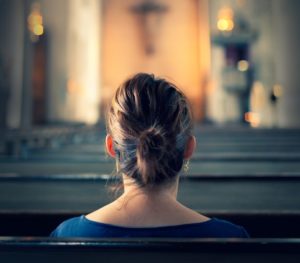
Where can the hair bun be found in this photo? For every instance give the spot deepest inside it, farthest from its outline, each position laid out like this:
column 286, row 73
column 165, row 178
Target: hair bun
column 151, row 144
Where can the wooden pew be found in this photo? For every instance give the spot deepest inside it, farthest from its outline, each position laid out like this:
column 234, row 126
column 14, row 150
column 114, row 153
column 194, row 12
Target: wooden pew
column 236, row 175
column 214, row 139
column 19, row 143
column 267, row 206
column 36, row 250
column 246, row 145
column 57, row 164
column 230, row 151
column 208, row 194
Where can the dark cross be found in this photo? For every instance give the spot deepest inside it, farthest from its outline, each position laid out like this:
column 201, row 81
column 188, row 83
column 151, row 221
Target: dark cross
column 150, row 13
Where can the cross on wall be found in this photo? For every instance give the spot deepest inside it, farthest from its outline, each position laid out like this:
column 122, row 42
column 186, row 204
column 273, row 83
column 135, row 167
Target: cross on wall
column 149, row 13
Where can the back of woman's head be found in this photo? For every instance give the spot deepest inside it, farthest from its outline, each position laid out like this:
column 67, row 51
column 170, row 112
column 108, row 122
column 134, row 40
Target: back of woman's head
column 150, row 122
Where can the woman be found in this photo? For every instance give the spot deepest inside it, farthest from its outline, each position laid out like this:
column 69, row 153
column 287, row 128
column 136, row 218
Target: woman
column 150, row 135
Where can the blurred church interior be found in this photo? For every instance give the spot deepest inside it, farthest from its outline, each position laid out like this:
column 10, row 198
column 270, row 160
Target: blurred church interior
column 236, row 60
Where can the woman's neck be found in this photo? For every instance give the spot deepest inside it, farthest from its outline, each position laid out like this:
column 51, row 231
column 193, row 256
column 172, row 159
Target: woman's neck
column 131, row 189
column 144, row 207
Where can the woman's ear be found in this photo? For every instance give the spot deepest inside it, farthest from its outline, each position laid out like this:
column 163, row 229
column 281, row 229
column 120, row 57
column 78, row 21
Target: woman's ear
column 110, row 146
column 189, row 147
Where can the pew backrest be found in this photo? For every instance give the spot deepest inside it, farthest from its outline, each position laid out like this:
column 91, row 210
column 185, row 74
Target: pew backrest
column 148, row 250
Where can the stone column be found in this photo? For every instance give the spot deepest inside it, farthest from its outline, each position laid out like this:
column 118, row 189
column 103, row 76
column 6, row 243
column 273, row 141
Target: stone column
column 11, row 53
column 26, row 104
column 286, row 22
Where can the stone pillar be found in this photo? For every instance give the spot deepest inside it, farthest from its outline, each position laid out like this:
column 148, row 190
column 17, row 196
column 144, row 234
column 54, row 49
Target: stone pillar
column 83, row 61
column 286, row 22
column 11, row 53
column 26, row 104
column 74, row 29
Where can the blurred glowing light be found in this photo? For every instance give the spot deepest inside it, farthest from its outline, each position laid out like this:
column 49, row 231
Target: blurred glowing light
column 253, row 118
column 38, row 30
column 35, row 22
column 225, row 19
column 225, row 25
column 243, row 65
column 277, row 90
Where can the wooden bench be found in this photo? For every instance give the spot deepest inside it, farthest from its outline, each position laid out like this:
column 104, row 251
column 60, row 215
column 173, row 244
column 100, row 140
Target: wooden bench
column 19, row 143
column 210, row 194
column 230, row 151
column 267, row 206
column 46, row 250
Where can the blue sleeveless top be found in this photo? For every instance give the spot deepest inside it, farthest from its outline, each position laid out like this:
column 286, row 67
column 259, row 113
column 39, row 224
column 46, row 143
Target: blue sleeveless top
column 83, row 227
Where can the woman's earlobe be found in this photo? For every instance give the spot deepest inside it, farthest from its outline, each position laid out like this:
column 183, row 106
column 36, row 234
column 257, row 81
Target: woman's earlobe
column 110, row 146
column 190, row 147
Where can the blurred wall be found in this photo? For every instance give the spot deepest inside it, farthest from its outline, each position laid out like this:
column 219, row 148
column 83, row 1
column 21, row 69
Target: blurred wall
column 181, row 53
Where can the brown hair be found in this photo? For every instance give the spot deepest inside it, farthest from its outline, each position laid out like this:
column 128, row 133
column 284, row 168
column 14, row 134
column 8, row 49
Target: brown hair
column 150, row 122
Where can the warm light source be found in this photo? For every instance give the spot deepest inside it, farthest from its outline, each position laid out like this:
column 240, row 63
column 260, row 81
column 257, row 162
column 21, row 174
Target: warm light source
column 253, row 118
column 35, row 22
column 225, row 19
column 225, row 25
column 277, row 90
column 243, row 65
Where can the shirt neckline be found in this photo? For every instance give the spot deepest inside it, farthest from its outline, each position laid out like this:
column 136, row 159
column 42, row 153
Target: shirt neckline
column 100, row 224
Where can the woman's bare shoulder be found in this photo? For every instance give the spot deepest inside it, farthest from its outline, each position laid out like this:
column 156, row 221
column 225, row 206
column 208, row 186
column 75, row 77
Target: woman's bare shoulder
column 105, row 214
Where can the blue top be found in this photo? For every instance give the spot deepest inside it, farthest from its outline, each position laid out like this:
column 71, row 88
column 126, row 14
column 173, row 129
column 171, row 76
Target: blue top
column 83, row 227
